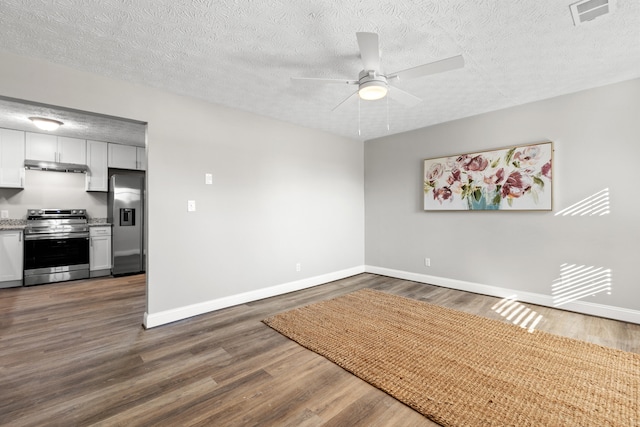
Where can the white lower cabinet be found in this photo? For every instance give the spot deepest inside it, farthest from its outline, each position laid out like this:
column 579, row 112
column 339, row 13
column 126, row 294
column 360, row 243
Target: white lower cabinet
column 100, row 251
column 11, row 257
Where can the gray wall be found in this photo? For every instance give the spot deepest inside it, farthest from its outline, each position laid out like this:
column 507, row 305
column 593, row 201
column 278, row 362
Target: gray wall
column 284, row 195
column 281, row 194
column 45, row 189
column 596, row 136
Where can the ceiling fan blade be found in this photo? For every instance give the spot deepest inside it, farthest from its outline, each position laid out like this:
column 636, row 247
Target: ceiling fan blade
column 430, row 68
column 403, row 97
column 369, row 50
column 321, row 80
column 345, row 100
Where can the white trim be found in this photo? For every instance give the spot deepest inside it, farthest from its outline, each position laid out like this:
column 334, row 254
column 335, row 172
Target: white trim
column 180, row 313
column 584, row 307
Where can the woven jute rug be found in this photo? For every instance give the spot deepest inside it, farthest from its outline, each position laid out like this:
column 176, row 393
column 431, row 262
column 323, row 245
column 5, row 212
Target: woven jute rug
column 460, row 369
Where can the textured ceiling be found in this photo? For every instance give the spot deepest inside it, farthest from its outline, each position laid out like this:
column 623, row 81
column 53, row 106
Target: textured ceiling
column 242, row 53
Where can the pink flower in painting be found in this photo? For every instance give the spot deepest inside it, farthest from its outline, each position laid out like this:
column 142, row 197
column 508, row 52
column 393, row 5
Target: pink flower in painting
column 546, row 169
column 435, row 171
column 457, row 180
column 477, row 163
column 495, row 179
column 442, row 194
column 454, row 177
column 463, row 161
column 528, row 155
column 516, row 185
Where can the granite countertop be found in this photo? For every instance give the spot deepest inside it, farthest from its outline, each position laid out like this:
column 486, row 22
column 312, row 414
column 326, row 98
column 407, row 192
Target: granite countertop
column 20, row 224
column 13, row 224
column 98, row 222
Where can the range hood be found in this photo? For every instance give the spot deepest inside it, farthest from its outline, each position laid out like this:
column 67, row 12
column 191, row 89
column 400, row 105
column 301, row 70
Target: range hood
column 54, row 166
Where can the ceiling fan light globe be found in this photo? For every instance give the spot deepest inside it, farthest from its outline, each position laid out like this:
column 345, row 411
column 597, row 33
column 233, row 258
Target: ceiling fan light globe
column 372, row 91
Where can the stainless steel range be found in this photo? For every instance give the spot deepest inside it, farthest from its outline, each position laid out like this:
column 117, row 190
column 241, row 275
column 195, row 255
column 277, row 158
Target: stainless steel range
column 56, row 246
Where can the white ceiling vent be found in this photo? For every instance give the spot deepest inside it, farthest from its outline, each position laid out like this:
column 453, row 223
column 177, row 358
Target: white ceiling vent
column 587, row 10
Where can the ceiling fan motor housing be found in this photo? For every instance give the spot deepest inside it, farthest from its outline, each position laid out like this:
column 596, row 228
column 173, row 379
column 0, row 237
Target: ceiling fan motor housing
column 371, row 85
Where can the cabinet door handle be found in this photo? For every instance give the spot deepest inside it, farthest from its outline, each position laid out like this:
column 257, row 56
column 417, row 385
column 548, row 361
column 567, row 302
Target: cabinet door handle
column 19, row 237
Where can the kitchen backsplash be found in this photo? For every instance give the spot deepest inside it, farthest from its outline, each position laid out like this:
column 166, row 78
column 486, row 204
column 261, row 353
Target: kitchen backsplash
column 52, row 190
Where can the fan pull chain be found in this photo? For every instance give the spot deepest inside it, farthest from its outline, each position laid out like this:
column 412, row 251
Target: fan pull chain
column 359, row 134
column 387, row 111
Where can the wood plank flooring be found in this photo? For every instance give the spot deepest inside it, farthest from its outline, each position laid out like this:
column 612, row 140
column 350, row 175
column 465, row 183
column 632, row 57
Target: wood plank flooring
column 75, row 354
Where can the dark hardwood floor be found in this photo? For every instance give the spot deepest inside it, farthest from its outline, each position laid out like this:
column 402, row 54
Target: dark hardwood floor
column 76, row 354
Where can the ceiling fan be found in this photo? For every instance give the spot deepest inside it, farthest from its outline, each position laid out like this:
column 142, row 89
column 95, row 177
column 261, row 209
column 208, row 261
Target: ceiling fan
column 373, row 84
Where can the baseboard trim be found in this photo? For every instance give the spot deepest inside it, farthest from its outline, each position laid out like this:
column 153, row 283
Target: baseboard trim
column 584, row 307
column 11, row 284
column 100, row 273
column 152, row 320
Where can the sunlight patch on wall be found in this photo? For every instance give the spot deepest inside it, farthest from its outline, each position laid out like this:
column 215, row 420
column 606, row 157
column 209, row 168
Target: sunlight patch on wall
column 579, row 281
column 517, row 313
column 594, row 205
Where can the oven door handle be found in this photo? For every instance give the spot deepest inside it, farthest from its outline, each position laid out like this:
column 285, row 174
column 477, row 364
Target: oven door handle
column 64, row 236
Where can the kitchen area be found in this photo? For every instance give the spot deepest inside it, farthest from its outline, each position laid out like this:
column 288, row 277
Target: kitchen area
column 72, row 192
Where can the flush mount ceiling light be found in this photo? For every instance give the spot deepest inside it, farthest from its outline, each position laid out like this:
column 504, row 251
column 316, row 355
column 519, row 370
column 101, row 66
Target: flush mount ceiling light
column 46, row 124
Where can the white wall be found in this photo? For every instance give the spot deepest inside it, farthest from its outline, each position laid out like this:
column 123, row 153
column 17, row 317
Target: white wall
column 46, row 189
column 596, row 136
column 281, row 195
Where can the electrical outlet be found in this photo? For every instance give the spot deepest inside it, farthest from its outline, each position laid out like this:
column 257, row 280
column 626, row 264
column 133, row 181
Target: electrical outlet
column 427, row 262
column 298, row 267
column 191, row 205
column 4, row 214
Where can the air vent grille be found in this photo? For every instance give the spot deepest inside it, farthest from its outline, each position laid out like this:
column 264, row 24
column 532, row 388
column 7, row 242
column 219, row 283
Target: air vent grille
column 588, row 10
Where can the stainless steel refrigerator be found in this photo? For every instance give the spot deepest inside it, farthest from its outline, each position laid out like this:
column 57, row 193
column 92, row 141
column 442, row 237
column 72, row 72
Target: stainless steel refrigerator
column 126, row 212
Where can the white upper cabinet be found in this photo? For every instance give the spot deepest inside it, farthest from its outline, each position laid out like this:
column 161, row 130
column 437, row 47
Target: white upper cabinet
column 51, row 148
column 98, row 173
column 72, row 150
column 122, row 156
column 11, row 158
column 127, row 157
column 41, row 147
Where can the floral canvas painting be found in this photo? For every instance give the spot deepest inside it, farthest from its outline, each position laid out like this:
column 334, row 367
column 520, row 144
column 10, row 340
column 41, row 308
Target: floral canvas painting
column 515, row 178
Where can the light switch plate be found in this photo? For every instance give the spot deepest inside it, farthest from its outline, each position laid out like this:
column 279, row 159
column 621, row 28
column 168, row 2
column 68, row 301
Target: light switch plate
column 191, row 205
column 4, row 214
column 208, row 178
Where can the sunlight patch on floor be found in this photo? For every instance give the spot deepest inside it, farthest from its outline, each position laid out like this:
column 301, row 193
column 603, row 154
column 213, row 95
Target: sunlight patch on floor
column 517, row 313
